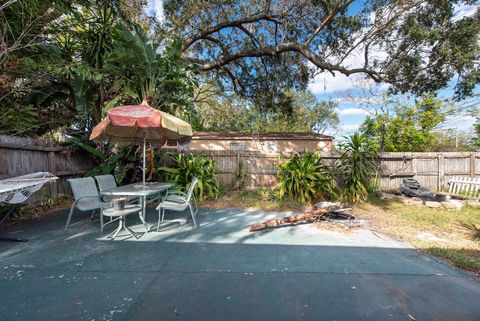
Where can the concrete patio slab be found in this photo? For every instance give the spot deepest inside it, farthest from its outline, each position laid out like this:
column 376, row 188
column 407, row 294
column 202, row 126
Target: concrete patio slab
column 221, row 271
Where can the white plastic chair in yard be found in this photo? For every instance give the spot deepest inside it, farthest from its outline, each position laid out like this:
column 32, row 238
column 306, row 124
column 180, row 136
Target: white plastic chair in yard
column 87, row 198
column 178, row 201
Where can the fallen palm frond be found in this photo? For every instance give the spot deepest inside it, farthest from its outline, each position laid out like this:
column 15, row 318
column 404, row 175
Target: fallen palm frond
column 325, row 212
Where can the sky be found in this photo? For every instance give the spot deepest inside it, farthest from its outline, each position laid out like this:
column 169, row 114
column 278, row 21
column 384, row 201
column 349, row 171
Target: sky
column 345, row 90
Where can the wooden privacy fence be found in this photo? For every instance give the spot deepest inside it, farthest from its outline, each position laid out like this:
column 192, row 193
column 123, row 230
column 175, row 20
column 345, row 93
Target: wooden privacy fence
column 432, row 170
column 20, row 156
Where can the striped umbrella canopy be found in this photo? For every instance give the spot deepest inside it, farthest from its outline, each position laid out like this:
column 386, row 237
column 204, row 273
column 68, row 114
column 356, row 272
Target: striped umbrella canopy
column 140, row 124
column 136, row 123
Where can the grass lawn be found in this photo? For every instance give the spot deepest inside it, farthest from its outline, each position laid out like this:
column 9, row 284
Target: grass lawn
column 449, row 234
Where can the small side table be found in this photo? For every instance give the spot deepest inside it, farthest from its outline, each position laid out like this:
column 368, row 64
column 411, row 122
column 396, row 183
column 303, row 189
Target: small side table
column 129, row 209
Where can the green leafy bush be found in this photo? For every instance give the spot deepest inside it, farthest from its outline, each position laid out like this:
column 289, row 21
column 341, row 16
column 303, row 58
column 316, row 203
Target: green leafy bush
column 187, row 166
column 305, row 178
column 357, row 167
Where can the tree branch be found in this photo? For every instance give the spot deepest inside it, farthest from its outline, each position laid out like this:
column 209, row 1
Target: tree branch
column 287, row 47
column 327, row 20
column 229, row 24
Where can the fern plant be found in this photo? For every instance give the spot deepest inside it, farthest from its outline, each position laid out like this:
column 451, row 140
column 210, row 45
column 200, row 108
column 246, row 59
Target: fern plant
column 305, row 178
column 188, row 166
column 357, row 167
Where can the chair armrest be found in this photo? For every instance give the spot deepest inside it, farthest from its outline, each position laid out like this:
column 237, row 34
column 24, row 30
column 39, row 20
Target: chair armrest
column 84, row 197
column 175, row 192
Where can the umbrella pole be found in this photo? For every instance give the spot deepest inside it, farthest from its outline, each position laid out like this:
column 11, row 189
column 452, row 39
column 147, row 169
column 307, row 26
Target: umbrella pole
column 144, row 162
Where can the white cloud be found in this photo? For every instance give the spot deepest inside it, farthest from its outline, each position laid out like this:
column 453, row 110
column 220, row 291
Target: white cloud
column 157, row 7
column 461, row 123
column 327, row 83
column 352, row 112
column 350, row 128
column 465, row 10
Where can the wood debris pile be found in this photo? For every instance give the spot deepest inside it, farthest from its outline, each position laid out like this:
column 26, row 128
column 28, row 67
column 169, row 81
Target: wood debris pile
column 324, row 211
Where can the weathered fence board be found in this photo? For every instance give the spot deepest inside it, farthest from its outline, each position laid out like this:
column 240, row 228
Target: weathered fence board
column 19, row 155
column 433, row 170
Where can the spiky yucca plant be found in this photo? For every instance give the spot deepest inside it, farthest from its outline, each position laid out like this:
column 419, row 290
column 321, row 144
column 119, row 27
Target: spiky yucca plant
column 357, row 167
column 305, row 178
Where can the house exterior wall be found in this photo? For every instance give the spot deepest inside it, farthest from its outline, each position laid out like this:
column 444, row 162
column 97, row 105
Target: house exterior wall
column 266, row 146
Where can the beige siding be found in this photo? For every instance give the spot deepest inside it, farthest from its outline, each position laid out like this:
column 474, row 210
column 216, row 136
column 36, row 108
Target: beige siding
column 282, row 146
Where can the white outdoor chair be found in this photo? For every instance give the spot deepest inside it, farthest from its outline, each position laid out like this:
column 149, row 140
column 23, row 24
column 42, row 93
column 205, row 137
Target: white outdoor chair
column 178, row 201
column 108, row 182
column 87, row 198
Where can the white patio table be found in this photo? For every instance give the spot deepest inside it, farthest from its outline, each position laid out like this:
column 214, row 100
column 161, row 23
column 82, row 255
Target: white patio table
column 142, row 191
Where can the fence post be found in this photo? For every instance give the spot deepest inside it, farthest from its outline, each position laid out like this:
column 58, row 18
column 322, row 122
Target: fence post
column 441, row 172
column 51, row 169
column 472, row 165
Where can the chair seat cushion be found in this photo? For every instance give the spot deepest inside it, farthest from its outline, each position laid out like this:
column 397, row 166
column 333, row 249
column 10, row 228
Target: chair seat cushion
column 173, row 205
column 89, row 203
column 176, row 198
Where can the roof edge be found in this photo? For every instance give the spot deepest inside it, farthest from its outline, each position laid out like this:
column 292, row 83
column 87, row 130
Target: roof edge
column 267, row 135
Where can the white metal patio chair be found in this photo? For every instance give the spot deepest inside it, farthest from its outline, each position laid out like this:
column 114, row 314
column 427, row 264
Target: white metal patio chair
column 87, row 198
column 179, row 201
column 108, row 182
column 105, row 182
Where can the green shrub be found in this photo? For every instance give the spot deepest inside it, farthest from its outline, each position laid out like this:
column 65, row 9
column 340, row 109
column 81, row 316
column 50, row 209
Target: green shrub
column 357, row 168
column 305, row 178
column 186, row 167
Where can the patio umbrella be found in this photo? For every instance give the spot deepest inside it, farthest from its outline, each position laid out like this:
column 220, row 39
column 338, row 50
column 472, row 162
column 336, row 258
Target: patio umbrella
column 142, row 123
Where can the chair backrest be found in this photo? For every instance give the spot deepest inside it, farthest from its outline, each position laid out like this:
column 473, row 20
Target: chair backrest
column 82, row 187
column 106, row 181
column 191, row 189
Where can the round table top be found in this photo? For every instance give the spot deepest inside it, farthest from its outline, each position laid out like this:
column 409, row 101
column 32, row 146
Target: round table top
column 129, row 209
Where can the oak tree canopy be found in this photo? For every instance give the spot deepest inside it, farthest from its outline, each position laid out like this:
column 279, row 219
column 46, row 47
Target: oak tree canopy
column 415, row 45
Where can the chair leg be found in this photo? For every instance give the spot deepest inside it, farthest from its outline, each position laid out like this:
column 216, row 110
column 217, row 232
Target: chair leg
column 70, row 216
column 91, row 216
column 193, row 215
column 159, row 217
column 101, row 220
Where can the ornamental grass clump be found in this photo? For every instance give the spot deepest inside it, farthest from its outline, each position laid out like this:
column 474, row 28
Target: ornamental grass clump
column 305, row 178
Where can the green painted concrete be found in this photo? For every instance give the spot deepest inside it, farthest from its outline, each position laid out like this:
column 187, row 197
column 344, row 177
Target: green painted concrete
column 222, row 272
